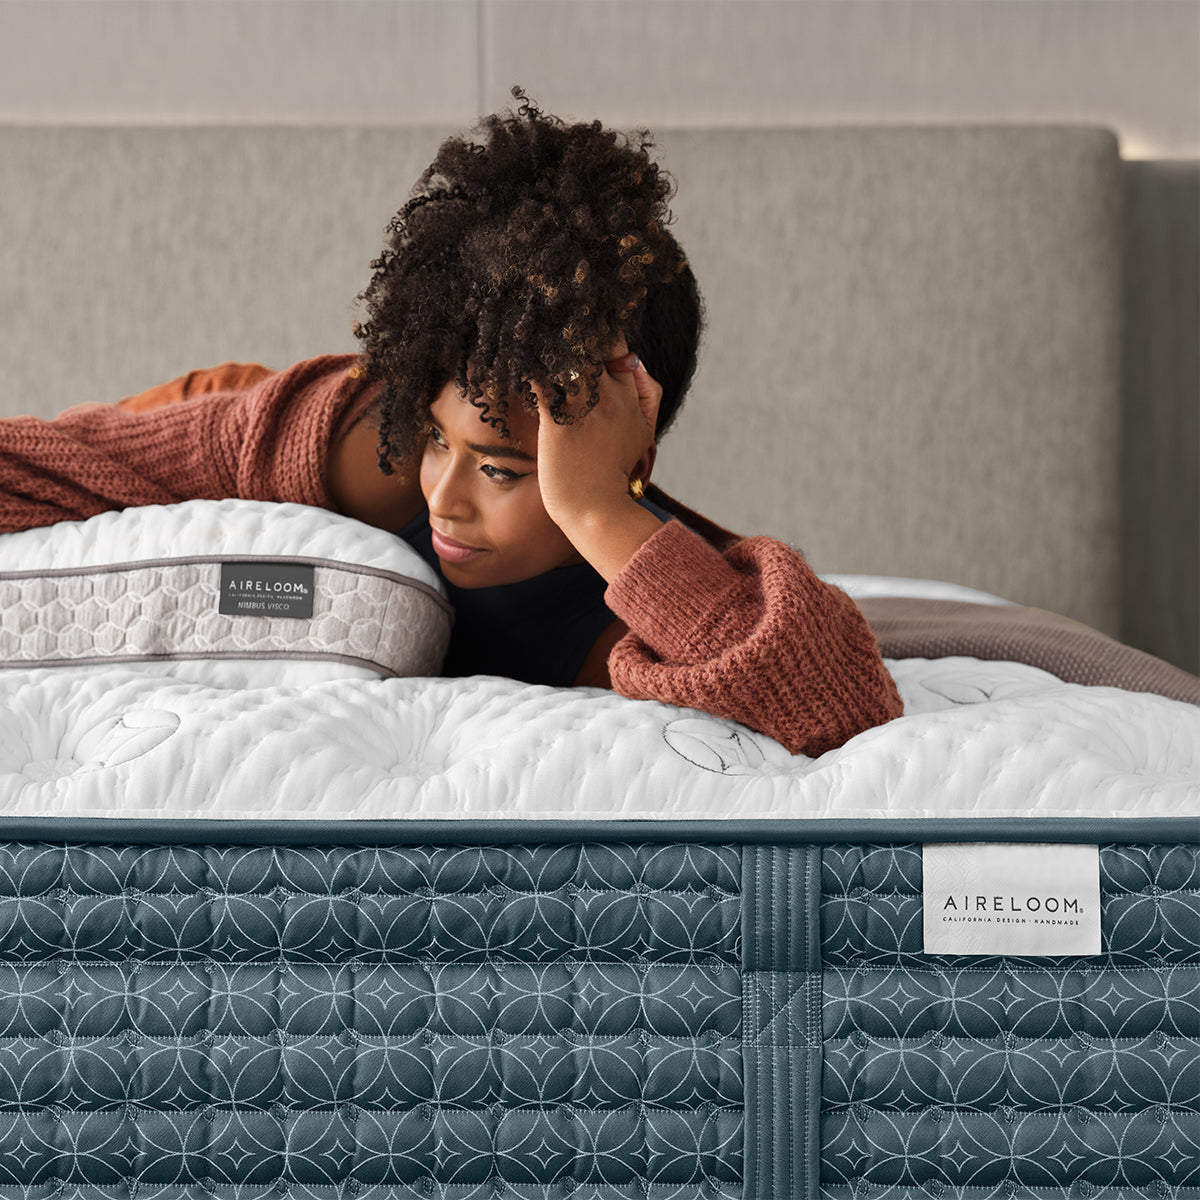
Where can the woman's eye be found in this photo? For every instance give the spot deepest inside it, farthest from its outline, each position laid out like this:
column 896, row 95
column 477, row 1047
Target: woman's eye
column 435, row 436
column 499, row 474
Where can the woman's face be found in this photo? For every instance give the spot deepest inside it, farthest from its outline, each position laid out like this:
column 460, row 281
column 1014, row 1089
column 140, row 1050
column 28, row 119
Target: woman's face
column 489, row 524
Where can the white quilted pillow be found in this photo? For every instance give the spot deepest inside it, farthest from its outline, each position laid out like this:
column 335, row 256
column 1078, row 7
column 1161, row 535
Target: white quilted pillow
column 260, row 592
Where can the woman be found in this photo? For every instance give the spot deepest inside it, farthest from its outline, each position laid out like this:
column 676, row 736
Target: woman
column 531, row 330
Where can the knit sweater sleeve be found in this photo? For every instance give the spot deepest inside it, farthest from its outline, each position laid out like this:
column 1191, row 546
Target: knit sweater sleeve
column 751, row 634
column 269, row 441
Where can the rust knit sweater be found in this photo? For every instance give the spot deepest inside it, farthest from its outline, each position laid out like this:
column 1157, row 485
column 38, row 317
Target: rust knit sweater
column 740, row 628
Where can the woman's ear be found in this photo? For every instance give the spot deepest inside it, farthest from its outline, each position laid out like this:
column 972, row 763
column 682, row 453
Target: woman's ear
column 644, row 467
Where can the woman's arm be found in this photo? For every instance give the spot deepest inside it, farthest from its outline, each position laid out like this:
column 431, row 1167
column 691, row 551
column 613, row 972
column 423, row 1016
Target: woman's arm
column 355, row 485
column 228, row 377
column 747, row 632
column 273, row 440
column 751, row 634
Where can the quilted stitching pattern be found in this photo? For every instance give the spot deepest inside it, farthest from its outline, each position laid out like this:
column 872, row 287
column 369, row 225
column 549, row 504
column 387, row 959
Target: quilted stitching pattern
column 986, row 1076
column 490, row 748
column 606, row 1022
column 413, row 1022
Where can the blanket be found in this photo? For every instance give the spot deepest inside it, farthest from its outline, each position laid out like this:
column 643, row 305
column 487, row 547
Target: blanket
column 912, row 627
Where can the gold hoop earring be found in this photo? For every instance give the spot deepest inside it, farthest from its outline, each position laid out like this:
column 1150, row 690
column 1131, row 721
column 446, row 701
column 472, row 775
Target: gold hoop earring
column 636, row 488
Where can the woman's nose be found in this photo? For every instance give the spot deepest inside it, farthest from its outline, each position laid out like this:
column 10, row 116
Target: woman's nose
column 446, row 490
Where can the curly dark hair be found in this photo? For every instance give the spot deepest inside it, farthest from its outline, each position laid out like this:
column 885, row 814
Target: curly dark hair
column 522, row 257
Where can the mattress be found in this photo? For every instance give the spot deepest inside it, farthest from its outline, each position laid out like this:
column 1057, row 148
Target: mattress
column 280, row 914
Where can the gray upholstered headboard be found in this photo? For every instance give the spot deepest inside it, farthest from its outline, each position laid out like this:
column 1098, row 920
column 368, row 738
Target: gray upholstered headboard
column 913, row 363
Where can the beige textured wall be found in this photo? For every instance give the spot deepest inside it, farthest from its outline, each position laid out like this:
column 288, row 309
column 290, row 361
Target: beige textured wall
column 1131, row 64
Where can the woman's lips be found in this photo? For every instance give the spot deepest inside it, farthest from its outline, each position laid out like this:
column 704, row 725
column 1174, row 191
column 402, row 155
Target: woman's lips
column 448, row 550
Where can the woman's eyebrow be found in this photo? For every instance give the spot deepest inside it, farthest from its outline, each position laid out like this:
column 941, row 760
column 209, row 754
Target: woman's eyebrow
column 496, row 450
column 500, row 451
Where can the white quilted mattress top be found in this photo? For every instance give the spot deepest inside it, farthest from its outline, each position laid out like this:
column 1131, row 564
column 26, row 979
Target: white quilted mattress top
column 327, row 738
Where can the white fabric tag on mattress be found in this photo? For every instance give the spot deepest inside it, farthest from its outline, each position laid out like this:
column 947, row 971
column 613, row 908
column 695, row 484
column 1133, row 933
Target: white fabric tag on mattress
column 1026, row 899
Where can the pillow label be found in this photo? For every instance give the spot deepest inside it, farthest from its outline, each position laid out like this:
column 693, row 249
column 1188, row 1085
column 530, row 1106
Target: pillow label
column 1011, row 898
column 266, row 589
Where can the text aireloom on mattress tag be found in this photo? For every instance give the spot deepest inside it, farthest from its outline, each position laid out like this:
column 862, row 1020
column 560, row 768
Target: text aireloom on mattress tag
column 1030, row 899
column 266, row 589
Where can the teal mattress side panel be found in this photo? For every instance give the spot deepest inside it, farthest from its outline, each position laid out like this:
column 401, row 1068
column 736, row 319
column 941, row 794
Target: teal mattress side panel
column 976, row 1076
column 381, row 1022
column 579, row 1021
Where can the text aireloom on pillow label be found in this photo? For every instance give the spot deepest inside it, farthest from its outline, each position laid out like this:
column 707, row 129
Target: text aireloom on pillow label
column 1029, row 899
column 266, row 589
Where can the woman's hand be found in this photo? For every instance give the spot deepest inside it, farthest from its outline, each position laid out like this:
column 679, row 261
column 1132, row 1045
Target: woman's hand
column 584, row 467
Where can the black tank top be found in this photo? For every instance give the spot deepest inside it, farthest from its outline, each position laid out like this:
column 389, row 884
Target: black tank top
column 538, row 631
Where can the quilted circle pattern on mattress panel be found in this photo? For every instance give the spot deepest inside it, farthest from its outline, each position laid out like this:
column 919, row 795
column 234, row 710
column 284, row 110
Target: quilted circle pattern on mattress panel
column 145, row 585
column 967, row 1076
column 406, row 1021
